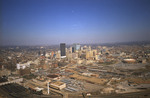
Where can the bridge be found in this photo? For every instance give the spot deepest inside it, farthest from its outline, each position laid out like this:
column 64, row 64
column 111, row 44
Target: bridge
column 13, row 81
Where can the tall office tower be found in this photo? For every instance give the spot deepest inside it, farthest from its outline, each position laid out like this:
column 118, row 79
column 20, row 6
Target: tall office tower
column 58, row 55
column 52, row 54
column 73, row 49
column 76, row 46
column 81, row 48
column 70, row 50
column 44, row 53
column 39, row 53
column 63, row 49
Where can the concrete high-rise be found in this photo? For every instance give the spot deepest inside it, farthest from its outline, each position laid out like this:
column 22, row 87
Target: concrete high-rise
column 63, row 49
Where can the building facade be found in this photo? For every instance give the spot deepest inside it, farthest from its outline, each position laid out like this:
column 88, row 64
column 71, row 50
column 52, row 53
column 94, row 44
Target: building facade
column 63, row 49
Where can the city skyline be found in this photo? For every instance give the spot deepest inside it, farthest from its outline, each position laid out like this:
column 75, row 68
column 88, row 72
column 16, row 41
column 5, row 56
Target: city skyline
column 47, row 22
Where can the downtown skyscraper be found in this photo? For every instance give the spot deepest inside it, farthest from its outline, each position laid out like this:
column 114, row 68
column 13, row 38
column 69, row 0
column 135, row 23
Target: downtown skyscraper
column 63, row 49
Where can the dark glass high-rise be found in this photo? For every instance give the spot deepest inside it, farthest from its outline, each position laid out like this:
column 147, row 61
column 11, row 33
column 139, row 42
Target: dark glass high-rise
column 63, row 49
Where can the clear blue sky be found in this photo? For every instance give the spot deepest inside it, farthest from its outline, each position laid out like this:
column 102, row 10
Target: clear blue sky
column 36, row 22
